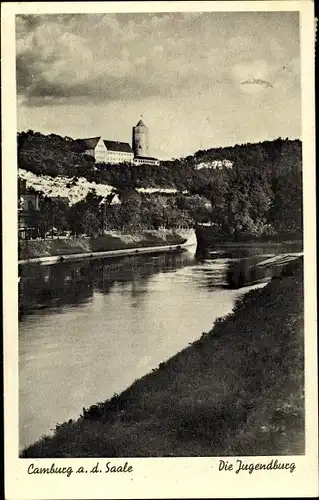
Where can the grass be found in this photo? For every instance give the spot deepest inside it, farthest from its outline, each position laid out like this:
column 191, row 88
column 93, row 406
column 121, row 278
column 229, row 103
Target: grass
column 238, row 390
column 115, row 241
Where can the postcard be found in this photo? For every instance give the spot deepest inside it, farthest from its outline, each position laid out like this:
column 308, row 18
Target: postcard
column 159, row 246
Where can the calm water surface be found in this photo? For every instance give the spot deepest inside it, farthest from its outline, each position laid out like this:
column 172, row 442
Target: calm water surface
column 88, row 330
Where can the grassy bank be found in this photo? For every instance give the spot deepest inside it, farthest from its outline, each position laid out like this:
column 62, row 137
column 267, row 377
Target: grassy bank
column 29, row 249
column 238, row 390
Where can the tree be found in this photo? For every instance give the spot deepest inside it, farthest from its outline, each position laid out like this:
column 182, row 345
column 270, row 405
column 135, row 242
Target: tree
column 91, row 223
column 286, row 210
column 131, row 210
column 198, row 207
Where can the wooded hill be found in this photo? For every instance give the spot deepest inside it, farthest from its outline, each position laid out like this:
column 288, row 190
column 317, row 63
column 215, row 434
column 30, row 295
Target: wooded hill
column 250, row 188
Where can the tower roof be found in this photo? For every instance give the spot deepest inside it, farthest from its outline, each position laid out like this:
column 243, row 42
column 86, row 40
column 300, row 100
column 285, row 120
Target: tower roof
column 141, row 124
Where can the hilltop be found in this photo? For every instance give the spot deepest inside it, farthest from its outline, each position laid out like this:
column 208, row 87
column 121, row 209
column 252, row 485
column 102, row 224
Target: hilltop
column 254, row 189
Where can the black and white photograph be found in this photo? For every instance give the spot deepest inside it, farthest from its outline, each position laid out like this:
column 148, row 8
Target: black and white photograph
column 162, row 164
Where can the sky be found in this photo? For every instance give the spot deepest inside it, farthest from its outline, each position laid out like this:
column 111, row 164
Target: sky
column 199, row 79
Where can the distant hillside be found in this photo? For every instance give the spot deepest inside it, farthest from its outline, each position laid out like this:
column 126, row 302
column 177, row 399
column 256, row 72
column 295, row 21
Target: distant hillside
column 51, row 155
column 54, row 155
column 76, row 189
column 249, row 188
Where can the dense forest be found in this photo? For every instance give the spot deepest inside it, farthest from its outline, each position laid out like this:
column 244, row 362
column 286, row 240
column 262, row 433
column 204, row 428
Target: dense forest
column 248, row 189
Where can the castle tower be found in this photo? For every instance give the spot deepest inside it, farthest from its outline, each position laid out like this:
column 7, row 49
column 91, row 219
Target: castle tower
column 140, row 144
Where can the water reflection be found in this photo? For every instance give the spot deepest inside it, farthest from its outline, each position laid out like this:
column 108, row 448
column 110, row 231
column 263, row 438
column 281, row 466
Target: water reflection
column 249, row 250
column 48, row 286
column 243, row 265
column 244, row 271
column 43, row 287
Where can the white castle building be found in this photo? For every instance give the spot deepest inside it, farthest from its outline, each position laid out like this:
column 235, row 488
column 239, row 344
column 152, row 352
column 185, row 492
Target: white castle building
column 115, row 152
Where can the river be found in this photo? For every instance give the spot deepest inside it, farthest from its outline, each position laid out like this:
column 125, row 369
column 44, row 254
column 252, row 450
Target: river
column 87, row 330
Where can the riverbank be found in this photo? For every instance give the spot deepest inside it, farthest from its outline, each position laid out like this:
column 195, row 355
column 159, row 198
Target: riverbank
column 208, row 237
column 112, row 241
column 238, row 390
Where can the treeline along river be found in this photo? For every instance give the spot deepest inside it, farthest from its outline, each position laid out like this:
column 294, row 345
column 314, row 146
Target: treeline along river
column 87, row 330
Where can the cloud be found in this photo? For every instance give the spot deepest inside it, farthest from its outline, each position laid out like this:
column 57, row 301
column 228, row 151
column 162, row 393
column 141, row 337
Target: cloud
column 251, row 69
column 46, row 92
column 62, row 60
column 98, row 57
